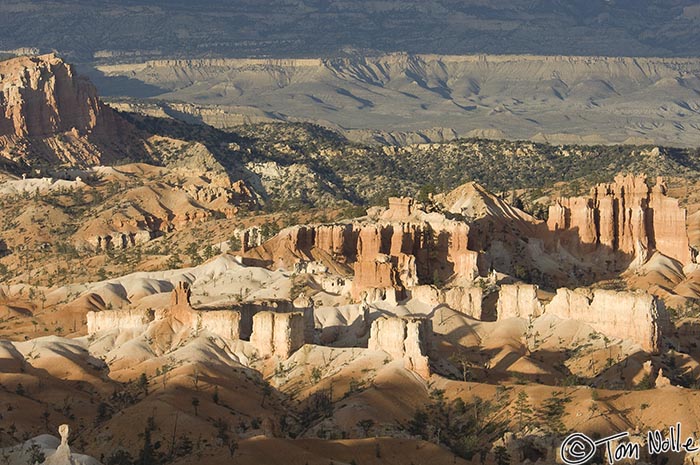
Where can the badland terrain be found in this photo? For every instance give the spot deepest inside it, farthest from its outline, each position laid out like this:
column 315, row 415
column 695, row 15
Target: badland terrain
column 274, row 292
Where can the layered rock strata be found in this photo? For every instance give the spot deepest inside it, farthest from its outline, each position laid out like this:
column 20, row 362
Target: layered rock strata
column 117, row 319
column 465, row 300
column 625, row 216
column 402, row 249
column 179, row 314
column 272, row 332
column 41, row 96
column 638, row 317
column 50, row 114
column 404, row 339
column 277, row 334
column 518, row 301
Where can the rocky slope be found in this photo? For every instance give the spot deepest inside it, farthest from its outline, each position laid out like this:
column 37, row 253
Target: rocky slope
column 349, row 329
column 50, row 115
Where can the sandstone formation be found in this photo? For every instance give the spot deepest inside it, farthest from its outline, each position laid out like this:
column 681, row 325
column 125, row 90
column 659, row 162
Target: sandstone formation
column 272, row 328
column 250, row 238
column 466, row 300
column 277, row 334
column 150, row 211
column 179, row 316
column 518, row 301
column 400, row 208
column 42, row 98
column 63, row 455
column 223, row 323
column 404, row 339
column 117, row 319
column 625, row 216
column 404, row 248
column 636, row 316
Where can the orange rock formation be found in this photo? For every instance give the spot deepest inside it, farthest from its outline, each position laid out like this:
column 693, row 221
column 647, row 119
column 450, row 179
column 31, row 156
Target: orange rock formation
column 400, row 251
column 626, row 216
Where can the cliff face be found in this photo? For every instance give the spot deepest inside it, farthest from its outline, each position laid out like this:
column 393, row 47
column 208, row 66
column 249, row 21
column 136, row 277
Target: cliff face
column 518, row 301
column 117, row 319
column 466, row 300
column 42, row 98
column 625, row 216
column 277, row 334
column 635, row 316
column 400, row 250
column 403, row 339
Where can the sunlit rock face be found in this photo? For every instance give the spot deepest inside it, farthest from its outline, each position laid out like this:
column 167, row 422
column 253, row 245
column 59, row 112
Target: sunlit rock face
column 625, row 216
column 406, row 339
column 636, row 316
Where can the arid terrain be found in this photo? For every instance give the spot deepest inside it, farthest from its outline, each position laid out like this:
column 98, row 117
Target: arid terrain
column 403, row 98
column 178, row 289
column 278, row 28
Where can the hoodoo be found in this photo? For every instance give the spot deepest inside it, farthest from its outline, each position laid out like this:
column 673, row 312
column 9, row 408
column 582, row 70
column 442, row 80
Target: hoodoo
column 626, row 216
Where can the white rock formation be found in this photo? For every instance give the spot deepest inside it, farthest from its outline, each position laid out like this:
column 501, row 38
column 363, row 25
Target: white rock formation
column 277, row 334
column 636, row 316
column 518, row 301
column 117, row 319
column 466, row 300
column 403, row 338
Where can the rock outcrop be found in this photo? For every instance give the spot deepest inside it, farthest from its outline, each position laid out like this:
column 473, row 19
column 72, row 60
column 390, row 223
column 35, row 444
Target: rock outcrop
column 466, row 300
column 63, row 455
column 179, row 316
column 404, row 339
column 635, row 316
column 405, row 247
column 278, row 334
column 518, row 301
column 42, row 98
column 117, row 319
column 627, row 217
column 223, row 323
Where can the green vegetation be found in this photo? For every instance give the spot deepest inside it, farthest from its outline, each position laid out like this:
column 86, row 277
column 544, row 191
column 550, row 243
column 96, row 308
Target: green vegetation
column 466, row 429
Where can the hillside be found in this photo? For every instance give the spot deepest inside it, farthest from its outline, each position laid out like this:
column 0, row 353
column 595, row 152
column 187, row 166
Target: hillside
column 405, row 98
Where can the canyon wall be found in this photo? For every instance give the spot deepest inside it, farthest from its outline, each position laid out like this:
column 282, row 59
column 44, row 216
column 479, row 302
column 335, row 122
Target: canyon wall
column 277, row 334
column 625, row 216
column 402, row 249
column 518, row 301
column 635, row 316
column 406, row 339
